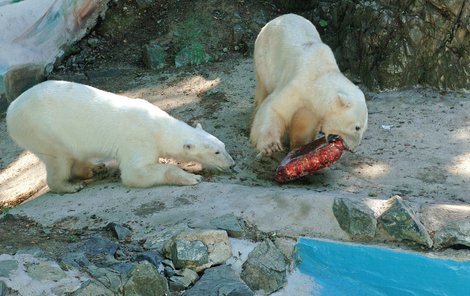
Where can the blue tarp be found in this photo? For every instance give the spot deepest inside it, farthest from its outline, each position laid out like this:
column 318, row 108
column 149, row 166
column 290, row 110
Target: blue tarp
column 349, row 269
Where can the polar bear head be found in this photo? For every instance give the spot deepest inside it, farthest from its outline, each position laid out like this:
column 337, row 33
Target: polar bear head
column 347, row 116
column 207, row 150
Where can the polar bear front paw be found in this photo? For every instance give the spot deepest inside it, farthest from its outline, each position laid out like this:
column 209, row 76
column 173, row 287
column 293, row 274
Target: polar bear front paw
column 189, row 179
column 269, row 148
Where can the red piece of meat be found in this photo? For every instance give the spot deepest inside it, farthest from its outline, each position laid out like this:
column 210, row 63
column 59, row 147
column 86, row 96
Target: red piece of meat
column 309, row 158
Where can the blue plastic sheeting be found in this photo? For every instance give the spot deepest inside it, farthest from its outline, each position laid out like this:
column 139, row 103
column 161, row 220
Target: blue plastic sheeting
column 348, row 269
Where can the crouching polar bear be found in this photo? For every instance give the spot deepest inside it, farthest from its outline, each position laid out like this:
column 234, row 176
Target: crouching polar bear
column 300, row 89
column 65, row 124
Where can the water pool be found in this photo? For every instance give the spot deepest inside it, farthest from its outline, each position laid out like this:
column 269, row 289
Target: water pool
column 350, row 269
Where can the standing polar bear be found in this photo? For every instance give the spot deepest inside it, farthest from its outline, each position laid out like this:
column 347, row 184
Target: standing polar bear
column 300, row 89
column 65, row 124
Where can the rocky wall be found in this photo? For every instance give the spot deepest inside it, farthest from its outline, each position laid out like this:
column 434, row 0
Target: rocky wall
column 391, row 44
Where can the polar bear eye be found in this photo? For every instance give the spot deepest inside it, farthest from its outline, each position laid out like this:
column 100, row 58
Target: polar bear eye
column 217, row 152
column 358, row 128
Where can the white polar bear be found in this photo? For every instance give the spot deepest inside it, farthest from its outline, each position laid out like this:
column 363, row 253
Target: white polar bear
column 300, row 88
column 65, row 124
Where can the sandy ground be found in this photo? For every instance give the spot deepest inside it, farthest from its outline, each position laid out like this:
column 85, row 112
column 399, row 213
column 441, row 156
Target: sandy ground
column 416, row 145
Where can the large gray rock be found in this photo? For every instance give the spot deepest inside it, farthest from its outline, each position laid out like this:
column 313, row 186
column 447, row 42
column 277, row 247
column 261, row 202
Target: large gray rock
column 216, row 242
column 218, row 281
column 145, row 280
column 452, row 234
column 111, row 279
column 399, row 222
column 154, row 56
column 92, row 287
column 7, row 267
column 234, row 226
column 190, row 254
column 45, row 271
column 193, row 54
column 265, row 269
column 182, row 279
column 355, row 218
column 21, row 77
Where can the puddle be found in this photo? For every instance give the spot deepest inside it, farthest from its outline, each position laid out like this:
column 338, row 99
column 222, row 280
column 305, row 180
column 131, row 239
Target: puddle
column 349, row 269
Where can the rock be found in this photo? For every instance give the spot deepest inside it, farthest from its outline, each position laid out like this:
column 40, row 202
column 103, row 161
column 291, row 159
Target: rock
column 145, row 280
column 119, row 231
column 7, row 267
column 265, row 269
column 409, row 43
column 399, row 222
column 96, row 246
column 234, row 226
column 145, row 3
column 182, row 279
column 45, row 271
column 110, row 278
column 220, row 280
column 355, row 218
column 193, row 54
column 190, row 254
column 92, row 287
column 151, row 256
column 154, row 56
column 453, row 234
column 3, row 288
column 238, row 33
column 93, row 42
column 22, row 77
column 216, row 242
column 75, row 260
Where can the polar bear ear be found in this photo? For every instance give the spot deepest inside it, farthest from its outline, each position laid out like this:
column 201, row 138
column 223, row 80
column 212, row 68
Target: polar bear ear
column 344, row 100
column 199, row 126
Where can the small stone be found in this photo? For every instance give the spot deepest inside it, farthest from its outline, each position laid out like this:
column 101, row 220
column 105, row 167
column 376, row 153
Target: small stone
column 265, row 269
column 145, row 3
column 7, row 267
column 399, row 222
column 22, row 77
column 35, row 251
column 151, row 256
column 238, row 33
column 355, row 218
column 220, row 280
column 119, row 231
column 45, row 271
column 93, row 42
column 453, row 234
column 190, row 254
column 154, row 56
column 194, row 54
column 144, row 279
column 233, row 225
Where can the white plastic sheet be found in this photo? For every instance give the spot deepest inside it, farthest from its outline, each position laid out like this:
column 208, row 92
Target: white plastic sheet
column 38, row 31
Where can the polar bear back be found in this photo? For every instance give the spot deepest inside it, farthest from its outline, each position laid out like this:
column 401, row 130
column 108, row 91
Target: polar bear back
column 79, row 119
column 285, row 46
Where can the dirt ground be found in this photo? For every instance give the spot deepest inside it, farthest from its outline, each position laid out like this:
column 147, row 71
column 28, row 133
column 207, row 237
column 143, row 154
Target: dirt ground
column 416, row 145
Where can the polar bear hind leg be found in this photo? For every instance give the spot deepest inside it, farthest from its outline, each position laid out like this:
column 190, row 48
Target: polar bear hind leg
column 86, row 170
column 59, row 168
column 157, row 174
column 303, row 128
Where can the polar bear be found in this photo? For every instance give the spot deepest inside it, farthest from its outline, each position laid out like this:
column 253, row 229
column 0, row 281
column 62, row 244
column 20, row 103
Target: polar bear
column 300, row 89
column 65, row 124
